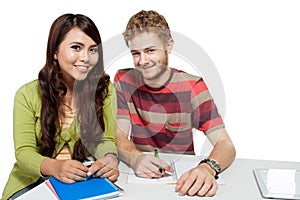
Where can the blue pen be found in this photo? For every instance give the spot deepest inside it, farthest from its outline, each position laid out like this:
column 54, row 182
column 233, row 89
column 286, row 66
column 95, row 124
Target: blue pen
column 157, row 156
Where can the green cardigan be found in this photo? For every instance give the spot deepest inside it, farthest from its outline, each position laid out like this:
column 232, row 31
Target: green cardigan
column 27, row 134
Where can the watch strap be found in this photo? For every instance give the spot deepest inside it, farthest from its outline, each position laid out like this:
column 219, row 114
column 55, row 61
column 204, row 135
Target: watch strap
column 213, row 164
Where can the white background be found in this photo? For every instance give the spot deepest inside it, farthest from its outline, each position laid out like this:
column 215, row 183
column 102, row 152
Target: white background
column 255, row 46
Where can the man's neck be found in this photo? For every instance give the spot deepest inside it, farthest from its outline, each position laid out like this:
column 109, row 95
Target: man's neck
column 159, row 81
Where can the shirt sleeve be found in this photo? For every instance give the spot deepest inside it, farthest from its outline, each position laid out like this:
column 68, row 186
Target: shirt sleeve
column 205, row 115
column 108, row 144
column 121, row 95
column 24, row 131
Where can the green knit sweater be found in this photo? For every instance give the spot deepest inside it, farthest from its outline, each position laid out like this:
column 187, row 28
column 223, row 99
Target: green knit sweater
column 27, row 134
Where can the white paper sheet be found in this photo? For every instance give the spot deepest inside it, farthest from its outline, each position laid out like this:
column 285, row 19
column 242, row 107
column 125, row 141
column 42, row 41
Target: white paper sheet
column 180, row 168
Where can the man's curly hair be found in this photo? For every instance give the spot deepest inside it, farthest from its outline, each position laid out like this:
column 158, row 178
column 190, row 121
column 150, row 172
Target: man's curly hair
column 147, row 21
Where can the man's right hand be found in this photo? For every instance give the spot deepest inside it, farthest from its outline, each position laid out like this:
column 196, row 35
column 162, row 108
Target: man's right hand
column 147, row 166
column 144, row 165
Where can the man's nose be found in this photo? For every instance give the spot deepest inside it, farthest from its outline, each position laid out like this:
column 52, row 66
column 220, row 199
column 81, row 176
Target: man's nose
column 143, row 59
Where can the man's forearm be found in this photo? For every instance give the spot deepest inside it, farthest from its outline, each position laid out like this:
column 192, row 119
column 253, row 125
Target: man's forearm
column 223, row 151
column 126, row 150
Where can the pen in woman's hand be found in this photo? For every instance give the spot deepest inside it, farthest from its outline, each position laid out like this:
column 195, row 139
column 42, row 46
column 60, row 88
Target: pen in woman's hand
column 157, row 156
column 88, row 164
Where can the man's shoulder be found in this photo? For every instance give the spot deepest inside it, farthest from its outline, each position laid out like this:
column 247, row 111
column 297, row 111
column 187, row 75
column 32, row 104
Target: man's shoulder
column 183, row 75
column 125, row 74
column 125, row 69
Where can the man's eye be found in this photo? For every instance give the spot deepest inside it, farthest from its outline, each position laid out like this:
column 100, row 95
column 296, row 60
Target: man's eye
column 150, row 50
column 134, row 53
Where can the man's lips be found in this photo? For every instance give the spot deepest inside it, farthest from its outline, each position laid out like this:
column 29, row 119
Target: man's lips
column 146, row 67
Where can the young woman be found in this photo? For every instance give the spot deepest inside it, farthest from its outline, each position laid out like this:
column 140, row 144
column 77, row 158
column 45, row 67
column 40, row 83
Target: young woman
column 65, row 117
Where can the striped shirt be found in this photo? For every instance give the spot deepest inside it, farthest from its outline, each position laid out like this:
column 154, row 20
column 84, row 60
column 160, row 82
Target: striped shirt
column 164, row 117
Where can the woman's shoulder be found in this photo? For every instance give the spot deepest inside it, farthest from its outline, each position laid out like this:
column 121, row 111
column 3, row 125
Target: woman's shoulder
column 110, row 89
column 29, row 89
column 110, row 86
column 29, row 86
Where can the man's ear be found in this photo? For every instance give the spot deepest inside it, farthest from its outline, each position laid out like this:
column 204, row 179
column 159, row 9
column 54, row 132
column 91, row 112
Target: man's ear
column 170, row 45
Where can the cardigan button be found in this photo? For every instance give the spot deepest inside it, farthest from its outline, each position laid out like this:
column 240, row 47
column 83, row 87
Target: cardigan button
column 65, row 136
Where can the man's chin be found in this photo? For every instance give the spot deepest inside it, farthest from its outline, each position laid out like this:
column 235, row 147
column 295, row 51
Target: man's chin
column 148, row 77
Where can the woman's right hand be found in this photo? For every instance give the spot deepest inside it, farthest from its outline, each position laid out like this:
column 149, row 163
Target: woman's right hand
column 67, row 171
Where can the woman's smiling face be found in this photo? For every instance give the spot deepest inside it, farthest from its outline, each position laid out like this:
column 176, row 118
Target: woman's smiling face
column 77, row 54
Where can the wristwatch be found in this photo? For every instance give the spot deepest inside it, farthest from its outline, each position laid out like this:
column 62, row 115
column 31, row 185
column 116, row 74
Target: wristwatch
column 213, row 164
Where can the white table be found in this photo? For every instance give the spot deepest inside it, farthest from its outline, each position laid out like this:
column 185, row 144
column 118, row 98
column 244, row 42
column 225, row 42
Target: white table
column 239, row 182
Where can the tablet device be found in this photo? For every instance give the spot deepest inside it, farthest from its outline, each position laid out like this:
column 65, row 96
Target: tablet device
column 278, row 183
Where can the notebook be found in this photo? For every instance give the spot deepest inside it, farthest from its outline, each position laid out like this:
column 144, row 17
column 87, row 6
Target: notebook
column 180, row 167
column 278, row 183
column 91, row 189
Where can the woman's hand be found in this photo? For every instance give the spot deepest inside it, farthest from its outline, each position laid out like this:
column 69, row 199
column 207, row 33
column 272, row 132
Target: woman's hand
column 106, row 167
column 67, row 171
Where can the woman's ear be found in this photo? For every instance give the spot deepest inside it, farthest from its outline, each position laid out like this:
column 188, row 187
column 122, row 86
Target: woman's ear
column 170, row 45
column 55, row 56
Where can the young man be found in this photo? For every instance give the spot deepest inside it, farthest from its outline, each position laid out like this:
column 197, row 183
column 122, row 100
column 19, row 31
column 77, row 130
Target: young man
column 158, row 106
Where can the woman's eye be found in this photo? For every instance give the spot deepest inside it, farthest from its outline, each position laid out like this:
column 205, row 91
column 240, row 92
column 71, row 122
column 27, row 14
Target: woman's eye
column 94, row 50
column 76, row 47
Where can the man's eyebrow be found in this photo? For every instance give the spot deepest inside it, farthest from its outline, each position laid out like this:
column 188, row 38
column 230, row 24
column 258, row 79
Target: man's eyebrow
column 133, row 51
column 150, row 47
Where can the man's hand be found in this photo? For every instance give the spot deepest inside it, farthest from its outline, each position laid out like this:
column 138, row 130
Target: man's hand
column 198, row 181
column 147, row 166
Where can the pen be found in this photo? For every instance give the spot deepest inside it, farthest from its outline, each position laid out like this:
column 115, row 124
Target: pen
column 88, row 164
column 157, row 156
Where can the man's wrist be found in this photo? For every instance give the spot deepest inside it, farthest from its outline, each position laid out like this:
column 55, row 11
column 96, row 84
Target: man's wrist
column 134, row 158
column 213, row 165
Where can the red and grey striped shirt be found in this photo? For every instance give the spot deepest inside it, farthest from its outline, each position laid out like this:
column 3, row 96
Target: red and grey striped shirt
column 164, row 117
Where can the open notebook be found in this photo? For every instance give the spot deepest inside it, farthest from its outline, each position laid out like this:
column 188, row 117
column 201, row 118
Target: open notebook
column 180, row 167
column 278, row 183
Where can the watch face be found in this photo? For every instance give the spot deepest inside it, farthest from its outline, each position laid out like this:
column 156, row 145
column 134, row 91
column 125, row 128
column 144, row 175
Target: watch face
column 215, row 165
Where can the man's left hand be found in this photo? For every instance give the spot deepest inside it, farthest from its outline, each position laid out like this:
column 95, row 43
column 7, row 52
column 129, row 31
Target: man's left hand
column 197, row 181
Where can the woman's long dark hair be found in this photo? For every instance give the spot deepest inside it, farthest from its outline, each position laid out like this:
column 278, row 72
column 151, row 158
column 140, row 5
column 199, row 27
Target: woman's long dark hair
column 89, row 94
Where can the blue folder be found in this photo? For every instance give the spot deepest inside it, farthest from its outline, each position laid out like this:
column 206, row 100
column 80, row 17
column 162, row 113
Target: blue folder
column 91, row 189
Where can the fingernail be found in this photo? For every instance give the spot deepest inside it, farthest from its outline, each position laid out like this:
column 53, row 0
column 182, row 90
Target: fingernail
column 89, row 173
